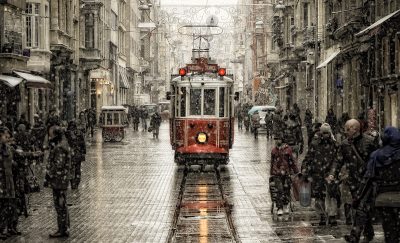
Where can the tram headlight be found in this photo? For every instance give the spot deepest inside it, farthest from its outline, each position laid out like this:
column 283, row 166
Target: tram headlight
column 201, row 137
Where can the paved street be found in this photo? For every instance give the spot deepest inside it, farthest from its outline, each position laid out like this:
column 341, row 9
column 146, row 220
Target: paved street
column 129, row 192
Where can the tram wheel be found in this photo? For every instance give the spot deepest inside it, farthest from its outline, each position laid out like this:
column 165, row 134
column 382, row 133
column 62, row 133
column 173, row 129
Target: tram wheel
column 118, row 137
column 106, row 137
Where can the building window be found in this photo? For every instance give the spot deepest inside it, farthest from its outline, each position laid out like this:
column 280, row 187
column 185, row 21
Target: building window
column 305, row 15
column 89, row 30
column 32, row 25
column 114, row 20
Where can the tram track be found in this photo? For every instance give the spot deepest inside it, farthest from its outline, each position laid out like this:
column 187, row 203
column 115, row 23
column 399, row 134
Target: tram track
column 202, row 212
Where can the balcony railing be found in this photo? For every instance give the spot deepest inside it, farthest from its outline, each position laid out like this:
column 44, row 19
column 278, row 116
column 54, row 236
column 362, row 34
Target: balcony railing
column 16, row 49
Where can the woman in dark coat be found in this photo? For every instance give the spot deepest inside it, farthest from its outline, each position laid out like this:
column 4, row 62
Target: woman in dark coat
column 76, row 141
column 319, row 164
column 331, row 120
column 308, row 117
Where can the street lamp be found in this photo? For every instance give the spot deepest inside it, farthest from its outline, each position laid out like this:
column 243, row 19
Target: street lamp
column 280, row 6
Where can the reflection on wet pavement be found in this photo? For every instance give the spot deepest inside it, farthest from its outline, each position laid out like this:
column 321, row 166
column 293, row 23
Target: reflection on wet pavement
column 129, row 192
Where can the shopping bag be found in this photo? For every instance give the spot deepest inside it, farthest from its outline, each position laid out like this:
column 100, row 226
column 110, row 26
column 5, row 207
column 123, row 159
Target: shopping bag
column 305, row 193
column 296, row 181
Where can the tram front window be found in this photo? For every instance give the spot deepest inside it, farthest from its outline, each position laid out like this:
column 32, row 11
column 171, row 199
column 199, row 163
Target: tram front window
column 209, row 102
column 182, row 95
column 221, row 102
column 195, row 102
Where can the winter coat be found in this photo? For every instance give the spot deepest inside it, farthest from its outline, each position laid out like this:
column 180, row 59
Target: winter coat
column 278, row 125
column 268, row 121
column 332, row 121
column 308, row 121
column 283, row 161
column 76, row 142
column 135, row 116
column 155, row 120
column 292, row 133
column 7, row 188
column 59, row 166
column 255, row 120
column 320, row 162
column 355, row 167
column 38, row 135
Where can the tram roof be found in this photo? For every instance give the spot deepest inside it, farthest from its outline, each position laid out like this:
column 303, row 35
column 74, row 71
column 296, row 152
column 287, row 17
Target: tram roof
column 202, row 78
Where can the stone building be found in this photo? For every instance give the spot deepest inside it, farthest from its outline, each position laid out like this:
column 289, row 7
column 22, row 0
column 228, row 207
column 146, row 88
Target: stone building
column 24, row 58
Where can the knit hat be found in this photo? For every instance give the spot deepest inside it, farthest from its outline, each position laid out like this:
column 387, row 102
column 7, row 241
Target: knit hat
column 325, row 128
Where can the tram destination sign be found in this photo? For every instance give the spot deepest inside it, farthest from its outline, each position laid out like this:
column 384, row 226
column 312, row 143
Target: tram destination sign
column 202, row 66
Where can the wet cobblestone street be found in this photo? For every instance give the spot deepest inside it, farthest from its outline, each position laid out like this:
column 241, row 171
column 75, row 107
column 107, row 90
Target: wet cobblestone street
column 129, row 191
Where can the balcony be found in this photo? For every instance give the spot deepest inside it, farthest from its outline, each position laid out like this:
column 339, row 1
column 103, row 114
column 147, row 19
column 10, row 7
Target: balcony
column 12, row 56
column 309, row 37
column 17, row 3
column 350, row 23
column 90, row 56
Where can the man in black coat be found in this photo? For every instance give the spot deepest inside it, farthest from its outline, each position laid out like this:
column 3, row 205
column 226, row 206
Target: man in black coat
column 355, row 151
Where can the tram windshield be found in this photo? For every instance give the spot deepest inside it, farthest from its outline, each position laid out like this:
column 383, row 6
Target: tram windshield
column 202, row 102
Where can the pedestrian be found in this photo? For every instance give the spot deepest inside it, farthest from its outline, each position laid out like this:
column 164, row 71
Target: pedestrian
column 91, row 121
column 136, row 118
column 155, row 122
column 277, row 123
column 283, row 164
column 82, row 122
column 296, row 111
column 22, row 120
column 308, row 121
column 255, row 123
column 144, row 116
column 292, row 134
column 77, row 144
column 38, row 133
column 268, row 124
column 58, row 176
column 8, row 212
column 383, row 179
column 318, row 165
column 340, row 125
column 240, row 120
column 331, row 120
column 355, row 151
column 24, row 145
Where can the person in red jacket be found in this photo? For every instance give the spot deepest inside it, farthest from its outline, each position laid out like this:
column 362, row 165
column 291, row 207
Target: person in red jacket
column 283, row 164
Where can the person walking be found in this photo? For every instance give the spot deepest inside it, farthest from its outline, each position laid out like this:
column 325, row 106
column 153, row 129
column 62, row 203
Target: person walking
column 91, row 121
column 383, row 179
column 283, row 164
column 308, row 121
column 269, row 124
column 136, row 118
column 319, row 164
column 277, row 123
column 155, row 122
column 296, row 112
column 292, row 134
column 58, row 176
column 144, row 115
column 355, row 151
column 8, row 211
column 255, row 122
column 76, row 141
column 240, row 119
column 331, row 120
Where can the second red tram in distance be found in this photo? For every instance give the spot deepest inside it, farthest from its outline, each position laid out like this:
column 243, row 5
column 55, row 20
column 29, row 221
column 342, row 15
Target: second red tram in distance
column 202, row 119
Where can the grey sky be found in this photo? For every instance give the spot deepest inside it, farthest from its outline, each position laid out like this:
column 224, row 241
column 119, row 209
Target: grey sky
column 198, row 2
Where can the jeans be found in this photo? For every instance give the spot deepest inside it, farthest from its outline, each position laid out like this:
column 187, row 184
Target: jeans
column 60, row 204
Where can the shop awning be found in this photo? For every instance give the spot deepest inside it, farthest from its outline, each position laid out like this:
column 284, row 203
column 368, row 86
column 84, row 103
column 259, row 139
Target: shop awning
column 123, row 81
column 10, row 81
column 34, row 81
column 282, row 87
column 377, row 23
column 328, row 60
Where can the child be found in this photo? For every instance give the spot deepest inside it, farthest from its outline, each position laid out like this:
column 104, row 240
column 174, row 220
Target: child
column 282, row 163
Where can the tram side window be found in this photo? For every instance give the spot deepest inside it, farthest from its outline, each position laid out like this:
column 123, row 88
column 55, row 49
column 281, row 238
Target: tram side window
column 195, row 102
column 209, row 102
column 182, row 101
column 221, row 102
column 109, row 118
column 116, row 118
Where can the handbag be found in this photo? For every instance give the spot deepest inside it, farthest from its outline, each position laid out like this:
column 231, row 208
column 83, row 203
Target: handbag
column 31, row 182
column 150, row 129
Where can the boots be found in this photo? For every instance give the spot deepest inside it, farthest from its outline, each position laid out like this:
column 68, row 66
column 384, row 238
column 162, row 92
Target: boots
column 332, row 221
column 322, row 220
column 347, row 213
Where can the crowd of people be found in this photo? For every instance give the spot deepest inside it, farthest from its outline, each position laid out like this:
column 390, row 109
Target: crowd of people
column 349, row 165
column 57, row 147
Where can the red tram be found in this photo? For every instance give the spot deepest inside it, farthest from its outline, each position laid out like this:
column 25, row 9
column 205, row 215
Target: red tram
column 202, row 119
